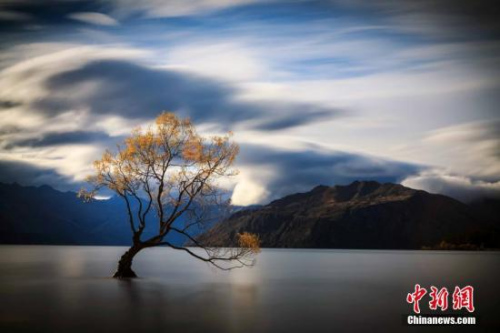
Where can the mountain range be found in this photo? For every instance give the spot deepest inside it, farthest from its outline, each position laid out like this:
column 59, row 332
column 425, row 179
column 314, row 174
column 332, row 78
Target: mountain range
column 43, row 215
column 364, row 215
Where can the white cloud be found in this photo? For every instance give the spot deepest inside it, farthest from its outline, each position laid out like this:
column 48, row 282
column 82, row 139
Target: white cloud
column 72, row 161
column 404, row 97
column 226, row 60
column 18, row 82
column 94, row 18
column 471, row 148
column 441, row 80
column 23, row 84
column 459, row 187
column 249, row 192
column 173, row 8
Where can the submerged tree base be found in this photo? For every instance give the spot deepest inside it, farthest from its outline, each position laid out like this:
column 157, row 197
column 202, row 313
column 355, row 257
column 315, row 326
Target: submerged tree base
column 124, row 274
column 124, row 269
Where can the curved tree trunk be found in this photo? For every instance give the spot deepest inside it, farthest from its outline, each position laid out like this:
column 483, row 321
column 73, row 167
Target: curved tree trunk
column 124, row 270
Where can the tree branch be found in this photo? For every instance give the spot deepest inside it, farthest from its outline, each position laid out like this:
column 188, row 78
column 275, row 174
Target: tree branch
column 209, row 260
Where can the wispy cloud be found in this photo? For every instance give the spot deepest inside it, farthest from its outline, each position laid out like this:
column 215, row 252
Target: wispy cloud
column 12, row 15
column 174, row 8
column 271, row 173
column 94, row 18
column 460, row 187
column 370, row 82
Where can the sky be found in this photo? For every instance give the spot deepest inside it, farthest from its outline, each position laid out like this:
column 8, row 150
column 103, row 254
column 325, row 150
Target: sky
column 316, row 92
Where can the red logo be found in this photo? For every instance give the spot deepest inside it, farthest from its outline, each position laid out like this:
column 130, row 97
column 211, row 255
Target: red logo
column 463, row 298
column 415, row 297
column 439, row 299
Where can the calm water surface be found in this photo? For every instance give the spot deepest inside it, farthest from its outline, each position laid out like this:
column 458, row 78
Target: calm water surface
column 68, row 289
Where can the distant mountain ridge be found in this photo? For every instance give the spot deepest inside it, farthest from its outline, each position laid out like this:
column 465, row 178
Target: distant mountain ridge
column 362, row 215
column 43, row 215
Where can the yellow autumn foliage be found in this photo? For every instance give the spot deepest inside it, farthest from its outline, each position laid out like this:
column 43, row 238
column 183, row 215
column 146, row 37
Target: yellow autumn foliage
column 249, row 241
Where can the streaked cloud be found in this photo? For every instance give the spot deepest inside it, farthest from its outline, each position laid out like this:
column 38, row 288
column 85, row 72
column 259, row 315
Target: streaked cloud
column 462, row 188
column 94, row 18
column 270, row 173
column 475, row 145
column 230, row 61
column 316, row 91
column 12, row 15
column 60, row 138
column 174, row 8
column 131, row 90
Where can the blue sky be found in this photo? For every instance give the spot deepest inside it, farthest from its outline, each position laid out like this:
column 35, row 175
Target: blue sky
column 317, row 92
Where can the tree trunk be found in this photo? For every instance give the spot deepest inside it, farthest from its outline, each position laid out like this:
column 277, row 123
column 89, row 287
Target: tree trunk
column 124, row 270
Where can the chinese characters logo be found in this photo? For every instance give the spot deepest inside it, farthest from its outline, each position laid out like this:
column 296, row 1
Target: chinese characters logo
column 462, row 298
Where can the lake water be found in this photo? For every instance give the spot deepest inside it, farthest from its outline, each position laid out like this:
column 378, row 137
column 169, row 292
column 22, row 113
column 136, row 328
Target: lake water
column 68, row 289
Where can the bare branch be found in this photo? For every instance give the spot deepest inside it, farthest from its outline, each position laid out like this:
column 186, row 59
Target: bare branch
column 212, row 260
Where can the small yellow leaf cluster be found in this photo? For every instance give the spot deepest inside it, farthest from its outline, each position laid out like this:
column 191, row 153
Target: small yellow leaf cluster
column 167, row 118
column 193, row 150
column 250, row 241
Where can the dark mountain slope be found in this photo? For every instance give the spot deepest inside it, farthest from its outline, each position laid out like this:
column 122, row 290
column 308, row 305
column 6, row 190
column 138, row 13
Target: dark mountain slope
column 363, row 215
column 43, row 215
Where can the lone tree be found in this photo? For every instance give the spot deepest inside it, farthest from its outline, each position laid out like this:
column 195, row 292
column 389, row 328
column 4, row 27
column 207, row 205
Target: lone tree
column 165, row 172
